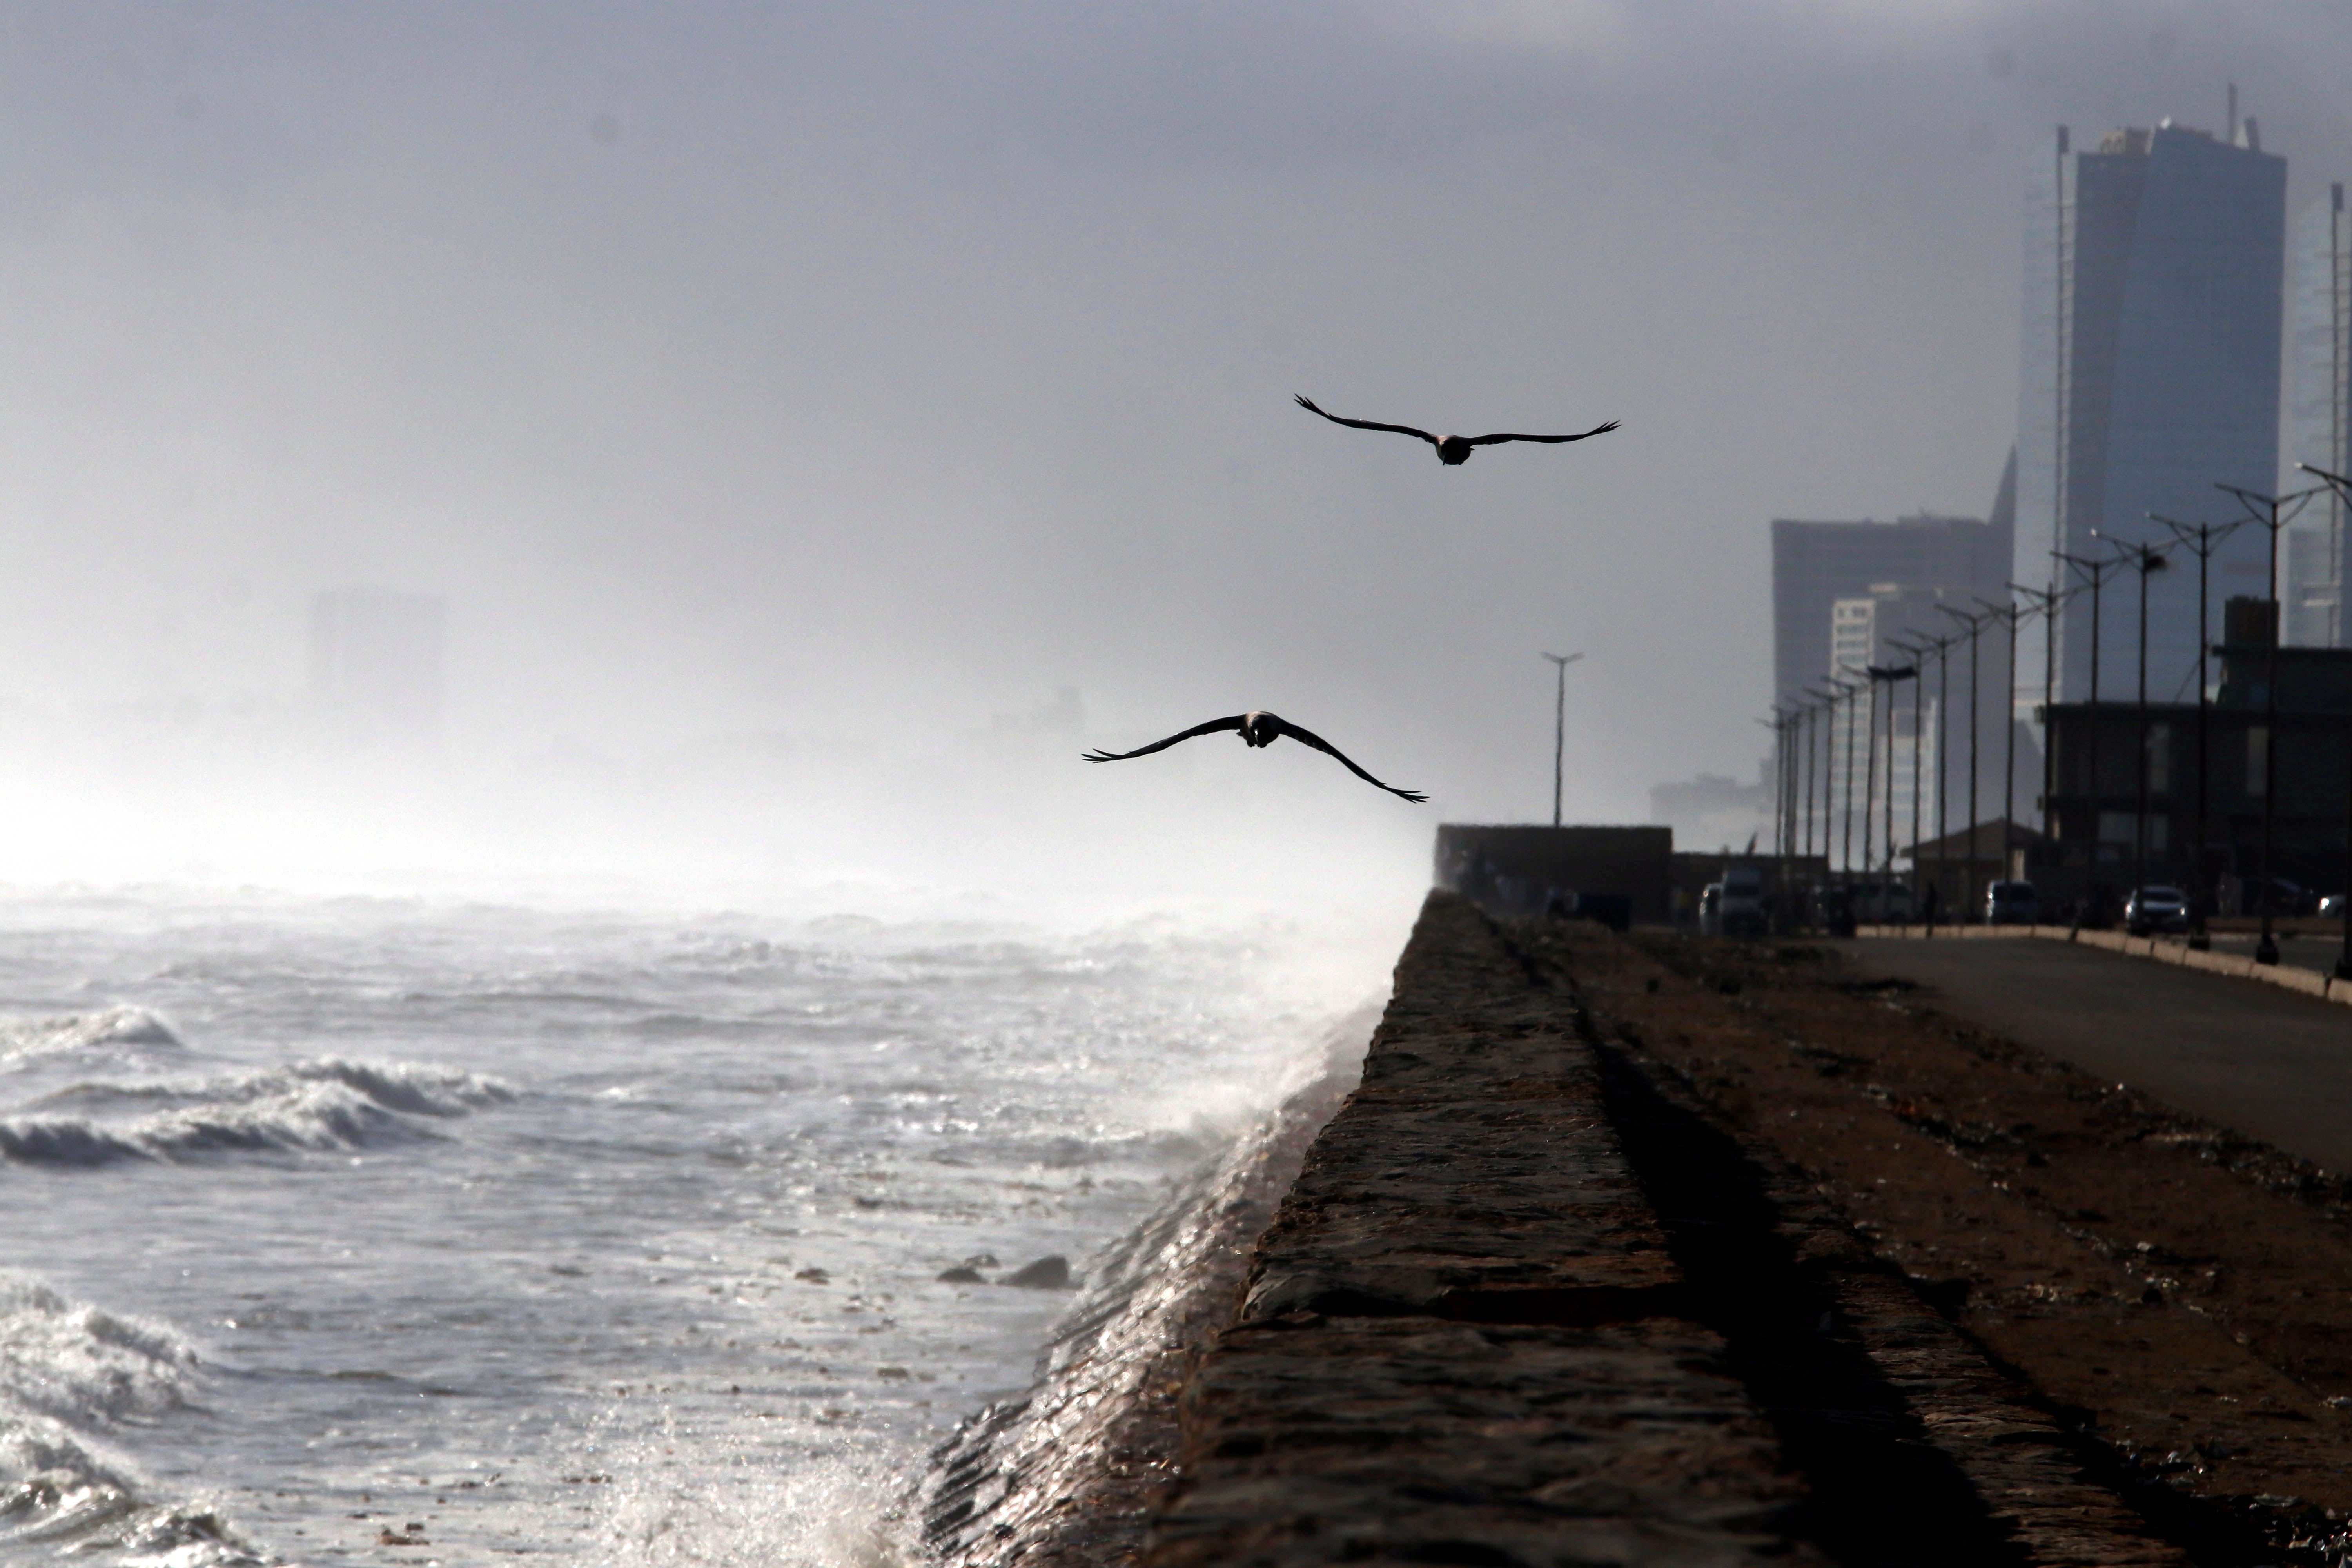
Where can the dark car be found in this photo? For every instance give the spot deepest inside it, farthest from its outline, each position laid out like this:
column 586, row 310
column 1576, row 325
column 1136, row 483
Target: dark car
column 2012, row 903
column 2286, row 898
column 2154, row 909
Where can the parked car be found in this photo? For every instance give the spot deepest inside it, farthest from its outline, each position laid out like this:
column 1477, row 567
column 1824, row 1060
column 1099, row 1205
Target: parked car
column 2287, row 898
column 2154, row 909
column 1743, row 910
column 1834, row 910
column 2012, row 903
column 1882, row 903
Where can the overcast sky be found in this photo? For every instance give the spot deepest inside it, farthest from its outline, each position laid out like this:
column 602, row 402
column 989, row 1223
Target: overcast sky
column 859, row 372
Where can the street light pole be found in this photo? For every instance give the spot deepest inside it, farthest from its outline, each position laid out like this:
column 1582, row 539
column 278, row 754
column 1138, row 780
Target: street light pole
column 1560, row 725
column 1943, row 647
column 2272, row 512
column 2010, row 613
column 1822, row 706
column 1845, row 813
column 1811, row 728
column 1887, row 676
column 1918, row 652
column 1869, row 765
column 2343, row 488
column 2097, row 571
column 2145, row 558
column 2202, row 539
column 1968, row 864
column 2044, row 602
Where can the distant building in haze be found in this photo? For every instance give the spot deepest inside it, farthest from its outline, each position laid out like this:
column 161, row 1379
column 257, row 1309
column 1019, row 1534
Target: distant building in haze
column 1815, row 565
column 1842, row 593
column 2153, row 314
column 377, row 653
column 1712, row 810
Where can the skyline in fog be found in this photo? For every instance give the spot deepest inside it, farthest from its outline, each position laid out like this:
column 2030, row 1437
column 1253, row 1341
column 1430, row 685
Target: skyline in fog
column 856, row 375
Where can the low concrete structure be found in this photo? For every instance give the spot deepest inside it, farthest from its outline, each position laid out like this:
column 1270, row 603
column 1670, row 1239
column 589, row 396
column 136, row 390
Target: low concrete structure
column 1512, row 866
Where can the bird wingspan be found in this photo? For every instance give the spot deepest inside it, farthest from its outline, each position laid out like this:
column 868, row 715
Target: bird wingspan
column 1550, row 440
column 1210, row 728
column 1328, row 749
column 1308, row 403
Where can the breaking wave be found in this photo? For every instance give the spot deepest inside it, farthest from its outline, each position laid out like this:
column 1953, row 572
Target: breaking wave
column 21, row 1037
column 68, row 1371
column 303, row 1107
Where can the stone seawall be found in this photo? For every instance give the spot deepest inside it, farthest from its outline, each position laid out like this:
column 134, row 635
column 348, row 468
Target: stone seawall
column 1656, row 1251
column 1527, row 1302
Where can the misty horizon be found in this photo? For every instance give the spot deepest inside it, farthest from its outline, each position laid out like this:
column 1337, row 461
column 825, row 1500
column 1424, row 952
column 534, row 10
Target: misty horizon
column 789, row 403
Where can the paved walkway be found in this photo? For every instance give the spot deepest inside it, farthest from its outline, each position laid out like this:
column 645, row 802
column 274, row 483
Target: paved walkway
column 2267, row 1062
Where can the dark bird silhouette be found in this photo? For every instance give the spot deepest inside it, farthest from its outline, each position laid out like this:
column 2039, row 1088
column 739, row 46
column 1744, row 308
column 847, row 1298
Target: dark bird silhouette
column 1452, row 450
column 1258, row 729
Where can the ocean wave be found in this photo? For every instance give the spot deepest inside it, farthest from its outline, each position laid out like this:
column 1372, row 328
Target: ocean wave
column 81, row 1363
column 67, row 1368
column 112, row 1026
column 303, row 1107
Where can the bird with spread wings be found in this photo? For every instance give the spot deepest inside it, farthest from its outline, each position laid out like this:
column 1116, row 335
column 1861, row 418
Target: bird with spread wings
column 1452, row 450
column 1258, row 729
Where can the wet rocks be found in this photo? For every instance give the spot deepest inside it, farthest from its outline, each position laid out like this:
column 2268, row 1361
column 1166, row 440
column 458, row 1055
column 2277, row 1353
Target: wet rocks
column 1051, row 1272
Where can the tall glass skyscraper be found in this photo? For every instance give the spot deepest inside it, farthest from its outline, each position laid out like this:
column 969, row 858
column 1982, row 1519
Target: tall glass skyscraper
column 2319, row 344
column 2153, row 310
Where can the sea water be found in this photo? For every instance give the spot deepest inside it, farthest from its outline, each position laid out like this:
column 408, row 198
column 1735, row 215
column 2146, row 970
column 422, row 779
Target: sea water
column 362, row 1231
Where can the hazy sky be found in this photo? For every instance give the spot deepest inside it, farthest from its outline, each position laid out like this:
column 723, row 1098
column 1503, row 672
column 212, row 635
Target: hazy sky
column 858, row 373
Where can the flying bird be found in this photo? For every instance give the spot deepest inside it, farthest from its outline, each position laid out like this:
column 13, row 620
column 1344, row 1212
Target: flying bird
column 1452, row 450
column 1258, row 729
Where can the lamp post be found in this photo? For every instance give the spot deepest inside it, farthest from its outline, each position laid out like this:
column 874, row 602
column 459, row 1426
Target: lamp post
column 2343, row 488
column 1968, row 865
column 2272, row 512
column 2145, row 558
column 2044, row 602
column 1918, row 651
column 1559, row 725
column 1822, row 706
column 1887, row 676
column 1784, row 815
column 1783, row 798
column 1845, row 820
column 2008, row 614
column 1943, row 647
column 1869, row 765
column 2201, row 538
column 2097, row 571
column 1812, row 714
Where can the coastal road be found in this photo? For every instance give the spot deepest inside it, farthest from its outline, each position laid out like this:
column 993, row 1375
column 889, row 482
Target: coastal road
column 2268, row 1063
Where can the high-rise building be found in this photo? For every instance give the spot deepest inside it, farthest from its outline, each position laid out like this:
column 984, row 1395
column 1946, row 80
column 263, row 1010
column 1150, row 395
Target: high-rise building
column 1844, row 592
column 1815, row 565
column 2152, row 312
column 2319, row 427
column 377, row 653
column 1892, row 727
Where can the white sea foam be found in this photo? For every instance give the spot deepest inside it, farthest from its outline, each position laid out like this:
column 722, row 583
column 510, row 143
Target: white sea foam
column 111, row 1027
column 308, row 1106
column 677, row 1302
column 81, row 1363
column 69, row 1372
